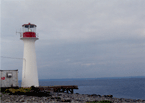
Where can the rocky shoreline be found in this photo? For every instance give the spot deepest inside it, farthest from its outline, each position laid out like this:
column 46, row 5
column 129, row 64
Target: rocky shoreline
column 63, row 97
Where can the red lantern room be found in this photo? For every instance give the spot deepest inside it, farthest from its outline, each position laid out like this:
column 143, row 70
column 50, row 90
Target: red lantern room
column 29, row 30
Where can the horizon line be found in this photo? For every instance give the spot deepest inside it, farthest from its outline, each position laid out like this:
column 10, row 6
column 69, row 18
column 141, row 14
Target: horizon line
column 92, row 78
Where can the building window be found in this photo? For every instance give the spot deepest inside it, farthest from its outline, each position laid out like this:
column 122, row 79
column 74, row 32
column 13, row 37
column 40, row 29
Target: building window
column 9, row 75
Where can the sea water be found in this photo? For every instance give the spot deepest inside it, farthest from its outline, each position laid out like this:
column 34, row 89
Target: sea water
column 130, row 88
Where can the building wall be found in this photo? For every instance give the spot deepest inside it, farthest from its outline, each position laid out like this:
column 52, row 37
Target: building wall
column 7, row 80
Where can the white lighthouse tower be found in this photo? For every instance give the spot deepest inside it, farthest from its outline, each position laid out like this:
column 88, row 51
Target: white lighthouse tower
column 29, row 73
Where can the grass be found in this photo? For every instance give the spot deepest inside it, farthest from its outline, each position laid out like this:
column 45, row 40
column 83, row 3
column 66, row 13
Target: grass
column 30, row 91
column 12, row 90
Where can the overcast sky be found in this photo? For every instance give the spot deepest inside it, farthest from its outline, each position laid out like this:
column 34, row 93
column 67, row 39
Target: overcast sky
column 77, row 38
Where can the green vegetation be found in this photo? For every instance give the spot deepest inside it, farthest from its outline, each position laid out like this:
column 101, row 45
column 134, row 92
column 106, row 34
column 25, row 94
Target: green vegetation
column 20, row 90
column 31, row 91
column 103, row 101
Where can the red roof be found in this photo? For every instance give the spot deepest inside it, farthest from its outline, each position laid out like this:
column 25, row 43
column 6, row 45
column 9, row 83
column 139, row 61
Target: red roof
column 29, row 24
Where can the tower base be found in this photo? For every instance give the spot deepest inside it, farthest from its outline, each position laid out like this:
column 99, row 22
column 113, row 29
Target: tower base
column 29, row 73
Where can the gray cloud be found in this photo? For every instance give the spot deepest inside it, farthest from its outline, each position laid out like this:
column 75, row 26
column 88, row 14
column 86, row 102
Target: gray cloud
column 81, row 39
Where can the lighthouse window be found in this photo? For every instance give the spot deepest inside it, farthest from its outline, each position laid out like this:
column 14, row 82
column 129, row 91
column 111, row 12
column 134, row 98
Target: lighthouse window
column 26, row 26
column 30, row 30
column 31, row 26
column 26, row 29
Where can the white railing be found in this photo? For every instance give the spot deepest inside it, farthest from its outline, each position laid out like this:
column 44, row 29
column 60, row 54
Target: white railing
column 21, row 35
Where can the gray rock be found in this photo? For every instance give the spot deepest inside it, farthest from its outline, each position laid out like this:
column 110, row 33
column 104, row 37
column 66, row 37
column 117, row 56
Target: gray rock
column 64, row 97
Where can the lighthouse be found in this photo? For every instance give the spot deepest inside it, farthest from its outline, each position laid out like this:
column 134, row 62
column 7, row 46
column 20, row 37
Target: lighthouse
column 29, row 71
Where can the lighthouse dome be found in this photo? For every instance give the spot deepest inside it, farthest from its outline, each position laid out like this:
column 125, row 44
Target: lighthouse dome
column 29, row 30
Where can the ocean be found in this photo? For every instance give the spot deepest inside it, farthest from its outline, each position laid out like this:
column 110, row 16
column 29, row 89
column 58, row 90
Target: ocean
column 130, row 88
